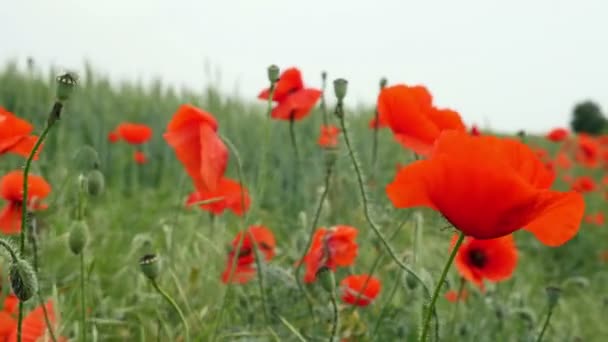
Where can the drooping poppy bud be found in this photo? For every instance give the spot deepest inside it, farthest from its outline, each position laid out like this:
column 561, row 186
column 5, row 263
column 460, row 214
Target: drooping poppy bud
column 23, row 279
column 150, row 266
column 326, row 278
column 79, row 236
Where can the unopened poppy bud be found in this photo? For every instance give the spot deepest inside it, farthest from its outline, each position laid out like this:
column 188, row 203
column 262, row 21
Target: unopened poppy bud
column 326, row 278
column 150, row 266
column 553, row 293
column 383, row 83
column 273, row 73
column 23, row 279
column 66, row 83
column 79, row 236
column 324, row 76
column 95, row 182
column 340, row 87
column 85, row 159
column 411, row 281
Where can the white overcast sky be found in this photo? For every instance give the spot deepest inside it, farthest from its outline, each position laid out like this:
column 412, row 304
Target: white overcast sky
column 510, row 64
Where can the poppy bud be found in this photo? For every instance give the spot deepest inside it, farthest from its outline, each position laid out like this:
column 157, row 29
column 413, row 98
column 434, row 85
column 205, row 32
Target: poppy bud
column 273, row 73
column 79, row 235
column 553, row 293
column 23, row 279
column 150, row 266
column 85, row 159
column 383, row 83
column 95, row 182
column 66, row 84
column 340, row 87
column 326, row 278
column 324, row 76
column 411, row 281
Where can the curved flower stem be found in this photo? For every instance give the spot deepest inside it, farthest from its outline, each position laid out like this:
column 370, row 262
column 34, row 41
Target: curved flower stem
column 313, row 225
column 175, row 307
column 431, row 308
column 546, row 324
column 10, row 249
column 336, row 320
column 367, row 212
column 83, row 310
column 53, row 117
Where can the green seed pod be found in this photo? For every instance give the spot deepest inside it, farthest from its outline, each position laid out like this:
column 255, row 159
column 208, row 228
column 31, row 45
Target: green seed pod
column 411, row 281
column 383, row 83
column 150, row 266
column 273, row 73
column 326, row 278
column 95, row 182
column 86, row 159
column 340, row 87
column 66, row 83
column 553, row 293
column 23, row 279
column 324, row 76
column 79, row 235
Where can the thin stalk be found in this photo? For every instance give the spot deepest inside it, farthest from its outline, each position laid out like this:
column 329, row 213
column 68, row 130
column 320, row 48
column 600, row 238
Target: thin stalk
column 261, row 178
column 386, row 304
column 53, row 116
column 546, row 324
column 175, row 307
column 291, row 328
column 336, row 320
column 83, row 310
column 323, row 102
column 375, row 141
column 313, row 226
column 367, row 211
column 292, row 135
column 431, row 308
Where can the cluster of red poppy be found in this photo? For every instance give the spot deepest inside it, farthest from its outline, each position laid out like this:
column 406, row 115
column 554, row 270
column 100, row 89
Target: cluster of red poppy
column 33, row 326
column 133, row 134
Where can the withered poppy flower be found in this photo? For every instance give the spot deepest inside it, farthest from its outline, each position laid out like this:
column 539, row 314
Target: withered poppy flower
column 135, row 134
column 360, row 290
column 557, row 134
column 192, row 133
column 587, row 151
column 11, row 190
column 140, row 157
column 583, row 184
column 329, row 136
column 453, row 296
column 294, row 101
column 227, row 195
column 15, row 135
column 494, row 260
column 414, row 120
column 488, row 187
column 34, row 325
column 597, row 219
column 332, row 248
column 245, row 262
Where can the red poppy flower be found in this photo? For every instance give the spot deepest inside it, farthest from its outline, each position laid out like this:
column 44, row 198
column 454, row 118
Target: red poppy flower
column 411, row 116
column 597, row 219
column 135, row 134
column 488, row 187
column 113, row 136
column 227, row 195
column 245, row 263
column 11, row 190
column 453, row 296
column 140, row 157
column 587, row 151
column 360, row 290
column 192, row 133
column 562, row 161
column 329, row 136
column 294, row 102
column 34, row 325
column 493, row 260
column 331, row 248
column 15, row 135
column 557, row 134
column 583, row 184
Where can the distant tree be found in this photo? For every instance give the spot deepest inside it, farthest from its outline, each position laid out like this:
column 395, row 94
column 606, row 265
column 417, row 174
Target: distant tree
column 587, row 117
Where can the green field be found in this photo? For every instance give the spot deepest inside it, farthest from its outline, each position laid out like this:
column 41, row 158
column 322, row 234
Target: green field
column 142, row 211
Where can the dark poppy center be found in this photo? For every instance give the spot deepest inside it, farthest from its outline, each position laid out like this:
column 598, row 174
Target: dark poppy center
column 477, row 258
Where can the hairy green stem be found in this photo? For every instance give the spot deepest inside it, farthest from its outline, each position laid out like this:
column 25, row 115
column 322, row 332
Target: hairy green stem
column 175, row 307
column 11, row 251
column 367, row 211
column 431, row 308
column 261, row 178
column 291, row 328
column 53, row 117
column 546, row 324
column 336, row 320
column 83, row 307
